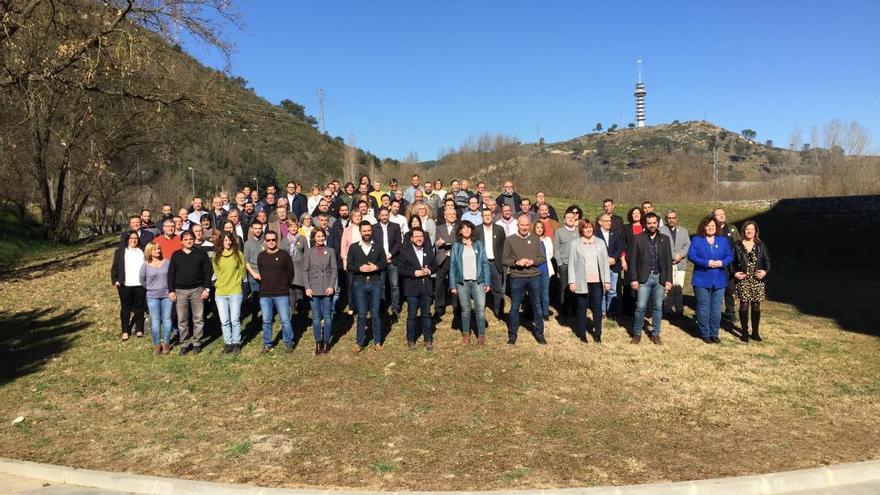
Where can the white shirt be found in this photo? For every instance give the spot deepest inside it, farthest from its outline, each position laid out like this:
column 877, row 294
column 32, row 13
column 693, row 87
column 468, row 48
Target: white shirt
column 488, row 241
column 366, row 247
column 441, row 193
column 195, row 216
column 548, row 247
column 384, row 227
column 509, row 226
column 134, row 258
column 370, row 218
column 400, row 220
column 420, row 254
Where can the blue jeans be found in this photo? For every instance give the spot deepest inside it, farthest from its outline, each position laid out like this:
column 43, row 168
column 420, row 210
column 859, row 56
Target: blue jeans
column 518, row 286
column 322, row 309
column 544, row 293
column 160, row 313
column 268, row 305
column 709, row 302
column 394, row 285
column 229, row 311
column 609, row 301
column 654, row 290
column 414, row 305
column 368, row 298
column 468, row 292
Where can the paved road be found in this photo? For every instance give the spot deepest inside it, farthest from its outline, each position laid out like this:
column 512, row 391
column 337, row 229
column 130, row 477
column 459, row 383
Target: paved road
column 14, row 485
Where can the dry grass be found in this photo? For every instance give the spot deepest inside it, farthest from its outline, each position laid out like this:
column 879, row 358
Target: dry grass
column 568, row 414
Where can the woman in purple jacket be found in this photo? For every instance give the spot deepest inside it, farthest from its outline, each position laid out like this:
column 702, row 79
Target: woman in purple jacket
column 710, row 254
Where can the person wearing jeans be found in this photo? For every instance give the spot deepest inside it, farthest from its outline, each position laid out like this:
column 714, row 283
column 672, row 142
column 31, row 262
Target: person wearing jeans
column 319, row 263
column 229, row 267
column 154, row 278
column 614, row 242
column 469, row 277
column 366, row 261
column 189, row 276
column 522, row 256
column 416, row 264
column 546, row 268
column 710, row 253
column 275, row 275
column 650, row 263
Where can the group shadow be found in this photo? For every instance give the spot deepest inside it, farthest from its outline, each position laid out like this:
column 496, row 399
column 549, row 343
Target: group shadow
column 29, row 339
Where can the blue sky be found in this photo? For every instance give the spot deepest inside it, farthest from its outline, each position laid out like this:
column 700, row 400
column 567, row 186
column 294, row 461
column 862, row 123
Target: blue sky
column 421, row 76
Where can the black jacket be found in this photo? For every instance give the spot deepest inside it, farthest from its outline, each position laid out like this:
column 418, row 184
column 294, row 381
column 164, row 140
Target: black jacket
column 497, row 243
column 117, row 270
column 639, row 259
column 550, row 208
column 741, row 257
column 356, row 258
column 145, row 237
column 615, row 247
column 516, row 201
column 395, row 238
column 408, row 263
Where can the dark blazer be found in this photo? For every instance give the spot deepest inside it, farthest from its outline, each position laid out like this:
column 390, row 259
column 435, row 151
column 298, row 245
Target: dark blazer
column 145, row 237
column 516, row 201
column 320, row 270
column 395, row 239
column 334, row 241
column 615, row 247
column 298, row 205
column 444, row 250
column 411, row 286
column 498, row 238
column 639, row 261
column 741, row 257
column 356, row 258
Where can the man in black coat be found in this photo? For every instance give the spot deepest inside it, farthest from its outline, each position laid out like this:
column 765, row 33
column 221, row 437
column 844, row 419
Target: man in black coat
column 492, row 235
column 508, row 197
column 416, row 264
column 388, row 236
column 366, row 261
column 144, row 235
column 614, row 242
column 650, row 264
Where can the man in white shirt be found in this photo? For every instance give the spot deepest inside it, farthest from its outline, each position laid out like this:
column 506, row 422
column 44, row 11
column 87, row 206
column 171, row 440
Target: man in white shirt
column 197, row 212
column 507, row 222
column 397, row 218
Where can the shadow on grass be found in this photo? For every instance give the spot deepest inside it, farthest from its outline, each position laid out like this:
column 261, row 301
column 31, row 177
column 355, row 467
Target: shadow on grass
column 824, row 258
column 53, row 266
column 28, row 339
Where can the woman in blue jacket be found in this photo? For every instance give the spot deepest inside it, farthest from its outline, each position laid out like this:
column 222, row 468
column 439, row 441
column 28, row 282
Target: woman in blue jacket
column 469, row 278
column 710, row 254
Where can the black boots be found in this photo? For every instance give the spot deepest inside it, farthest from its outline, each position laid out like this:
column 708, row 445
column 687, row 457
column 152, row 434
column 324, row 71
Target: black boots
column 744, row 324
column 756, row 323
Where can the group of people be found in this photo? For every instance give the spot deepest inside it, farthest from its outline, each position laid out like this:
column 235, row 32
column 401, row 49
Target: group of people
column 364, row 251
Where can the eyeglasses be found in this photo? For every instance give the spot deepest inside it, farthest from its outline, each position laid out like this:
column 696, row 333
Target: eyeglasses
column 271, row 240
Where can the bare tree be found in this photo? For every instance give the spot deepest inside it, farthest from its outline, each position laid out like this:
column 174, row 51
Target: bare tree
column 796, row 139
column 350, row 166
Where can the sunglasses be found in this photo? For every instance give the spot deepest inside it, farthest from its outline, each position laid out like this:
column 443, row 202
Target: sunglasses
column 271, row 240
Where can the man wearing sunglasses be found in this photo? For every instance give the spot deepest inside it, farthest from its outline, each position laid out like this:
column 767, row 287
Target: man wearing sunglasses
column 276, row 276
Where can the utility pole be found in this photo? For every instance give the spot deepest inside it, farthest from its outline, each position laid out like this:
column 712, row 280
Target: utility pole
column 715, row 172
column 321, row 95
column 258, row 186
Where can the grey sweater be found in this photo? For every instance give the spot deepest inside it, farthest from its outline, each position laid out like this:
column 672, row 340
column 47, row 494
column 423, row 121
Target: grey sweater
column 562, row 240
column 155, row 279
column 515, row 247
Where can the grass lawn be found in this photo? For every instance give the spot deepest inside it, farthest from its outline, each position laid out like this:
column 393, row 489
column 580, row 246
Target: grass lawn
column 565, row 415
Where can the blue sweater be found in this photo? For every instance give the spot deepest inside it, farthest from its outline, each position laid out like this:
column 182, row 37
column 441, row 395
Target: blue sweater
column 701, row 252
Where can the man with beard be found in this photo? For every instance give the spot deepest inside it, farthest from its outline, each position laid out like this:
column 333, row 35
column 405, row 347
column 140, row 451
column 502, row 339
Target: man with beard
column 367, row 262
column 650, row 262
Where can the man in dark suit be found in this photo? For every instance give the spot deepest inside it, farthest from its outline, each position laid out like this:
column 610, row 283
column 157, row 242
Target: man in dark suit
column 134, row 225
column 493, row 237
column 614, row 242
column 650, row 263
column 387, row 235
column 416, row 264
column 446, row 236
column 366, row 261
column 616, row 220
